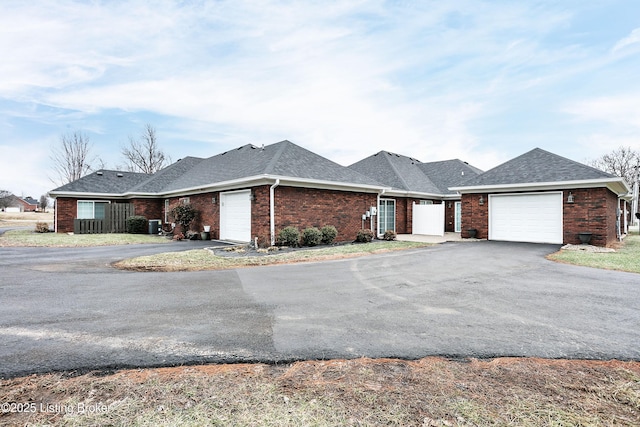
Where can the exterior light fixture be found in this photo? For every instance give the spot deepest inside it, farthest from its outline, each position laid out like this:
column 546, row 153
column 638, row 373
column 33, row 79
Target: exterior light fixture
column 252, row 196
column 449, row 205
column 213, row 200
column 481, row 201
column 570, row 198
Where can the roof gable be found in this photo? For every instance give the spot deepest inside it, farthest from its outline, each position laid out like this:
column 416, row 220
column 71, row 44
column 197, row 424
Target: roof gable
column 397, row 171
column 537, row 166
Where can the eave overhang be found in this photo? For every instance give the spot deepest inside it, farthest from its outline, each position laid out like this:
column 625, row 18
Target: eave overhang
column 245, row 182
column 616, row 185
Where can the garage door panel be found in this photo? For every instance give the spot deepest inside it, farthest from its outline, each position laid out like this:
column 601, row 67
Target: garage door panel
column 534, row 217
column 235, row 216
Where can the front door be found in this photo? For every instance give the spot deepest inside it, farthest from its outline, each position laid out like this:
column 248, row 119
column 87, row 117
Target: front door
column 386, row 216
column 458, row 217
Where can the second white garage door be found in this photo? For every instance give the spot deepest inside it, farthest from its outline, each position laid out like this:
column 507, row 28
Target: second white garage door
column 235, row 216
column 531, row 217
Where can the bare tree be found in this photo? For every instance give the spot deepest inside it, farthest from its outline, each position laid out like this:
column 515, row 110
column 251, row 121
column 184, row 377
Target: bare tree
column 143, row 154
column 43, row 203
column 71, row 159
column 5, row 198
column 620, row 162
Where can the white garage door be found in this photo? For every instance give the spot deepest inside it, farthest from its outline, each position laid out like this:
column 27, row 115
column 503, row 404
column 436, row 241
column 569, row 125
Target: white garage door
column 532, row 217
column 235, row 216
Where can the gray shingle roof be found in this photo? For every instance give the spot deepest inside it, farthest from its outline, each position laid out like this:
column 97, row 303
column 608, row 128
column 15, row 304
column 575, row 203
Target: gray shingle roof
column 283, row 158
column 449, row 173
column 408, row 174
column 536, row 166
column 104, row 181
column 164, row 177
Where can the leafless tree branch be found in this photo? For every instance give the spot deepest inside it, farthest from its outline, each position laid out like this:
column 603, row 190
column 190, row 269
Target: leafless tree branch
column 143, row 153
column 71, row 159
column 620, row 162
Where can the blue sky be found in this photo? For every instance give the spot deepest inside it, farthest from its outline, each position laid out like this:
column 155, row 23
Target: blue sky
column 482, row 81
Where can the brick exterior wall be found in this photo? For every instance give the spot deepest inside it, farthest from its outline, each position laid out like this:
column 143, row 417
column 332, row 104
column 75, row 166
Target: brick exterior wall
column 66, row 210
column 306, row 207
column 594, row 211
column 475, row 215
column 148, row 208
column 299, row 207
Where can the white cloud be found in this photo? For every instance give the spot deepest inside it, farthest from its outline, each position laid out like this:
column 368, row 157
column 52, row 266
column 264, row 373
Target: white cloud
column 631, row 39
column 343, row 79
column 621, row 110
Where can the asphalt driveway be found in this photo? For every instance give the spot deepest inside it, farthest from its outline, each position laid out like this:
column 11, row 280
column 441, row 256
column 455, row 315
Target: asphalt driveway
column 66, row 309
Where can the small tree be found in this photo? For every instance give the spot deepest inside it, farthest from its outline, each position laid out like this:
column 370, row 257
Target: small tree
column 44, row 202
column 184, row 214
column 5, row 198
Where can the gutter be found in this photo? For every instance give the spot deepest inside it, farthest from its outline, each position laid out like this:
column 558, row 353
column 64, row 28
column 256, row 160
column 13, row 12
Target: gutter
column 272, row 211
column 616, row 185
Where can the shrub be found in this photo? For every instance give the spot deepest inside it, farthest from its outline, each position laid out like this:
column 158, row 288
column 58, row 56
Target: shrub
column 364, row 236
column 289, row 236
column 136, row 224
column 311, row 236
column 389, row 235
column 329, row 234
column 184, row 214
column 42, row 227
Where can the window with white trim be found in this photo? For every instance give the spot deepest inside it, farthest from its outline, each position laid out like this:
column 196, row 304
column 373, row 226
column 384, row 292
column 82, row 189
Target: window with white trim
column 89, row 209
column 166, row 211
column 426, row 202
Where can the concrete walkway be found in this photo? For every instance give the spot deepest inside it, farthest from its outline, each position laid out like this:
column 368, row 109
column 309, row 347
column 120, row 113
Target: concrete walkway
column 448, row 237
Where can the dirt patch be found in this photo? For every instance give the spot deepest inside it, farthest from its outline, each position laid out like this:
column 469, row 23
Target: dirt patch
column 427, row 392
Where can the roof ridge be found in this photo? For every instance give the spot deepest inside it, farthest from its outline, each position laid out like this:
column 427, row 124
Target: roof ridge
column 278, row 154
column 395, row 169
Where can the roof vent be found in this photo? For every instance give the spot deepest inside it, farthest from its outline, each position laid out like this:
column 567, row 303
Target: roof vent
column 99, row 173
column 119, row 175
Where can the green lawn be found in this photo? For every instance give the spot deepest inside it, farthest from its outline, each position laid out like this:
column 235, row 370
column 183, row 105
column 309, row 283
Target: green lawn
column 203, row 259
column 627, row 258
column 62, row 240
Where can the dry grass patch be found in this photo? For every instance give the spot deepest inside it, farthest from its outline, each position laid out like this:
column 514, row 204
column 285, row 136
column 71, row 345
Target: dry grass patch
column 24, row 219
column 204, row 259
column 62, row 240
column 624, row 259
column 361, row 392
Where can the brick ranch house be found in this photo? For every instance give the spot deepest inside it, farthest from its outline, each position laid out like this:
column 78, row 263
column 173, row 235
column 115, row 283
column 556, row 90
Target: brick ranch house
column 545, row 198
column 252, row 192
column 242, row 194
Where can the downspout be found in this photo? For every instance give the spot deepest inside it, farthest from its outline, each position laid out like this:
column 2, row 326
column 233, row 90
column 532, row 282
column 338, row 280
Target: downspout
column 272, row 211
column 378, row 212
